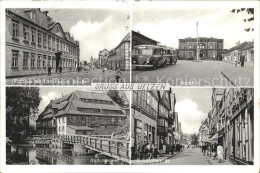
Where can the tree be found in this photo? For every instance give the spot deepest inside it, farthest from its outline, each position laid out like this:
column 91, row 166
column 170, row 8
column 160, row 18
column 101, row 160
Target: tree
column 119, row 97
column 21, row 104
column 194, row 139
column 250, row 12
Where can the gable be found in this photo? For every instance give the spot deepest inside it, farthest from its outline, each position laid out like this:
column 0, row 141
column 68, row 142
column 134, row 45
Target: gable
column 57, row 30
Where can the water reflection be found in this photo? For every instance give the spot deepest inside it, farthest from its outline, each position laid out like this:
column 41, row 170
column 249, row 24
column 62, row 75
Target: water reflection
column 46, row 156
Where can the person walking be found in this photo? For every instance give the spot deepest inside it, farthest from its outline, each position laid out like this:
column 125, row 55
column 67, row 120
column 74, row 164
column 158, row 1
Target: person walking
column 242, row 60
column 220, row 153
column 164, row 148
column 161, row 149
column 118, row 75
column 155, row 151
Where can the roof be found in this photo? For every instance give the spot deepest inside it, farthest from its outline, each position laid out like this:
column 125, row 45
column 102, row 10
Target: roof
column 139, row 34
column 69, row 103
column 250, row 45
column 201, row 39
column 154, row 46
column 80, row 128
column 237, row 47
column 41, row 19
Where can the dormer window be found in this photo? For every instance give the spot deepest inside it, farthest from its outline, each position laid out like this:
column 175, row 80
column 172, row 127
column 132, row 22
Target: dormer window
column 33, row 15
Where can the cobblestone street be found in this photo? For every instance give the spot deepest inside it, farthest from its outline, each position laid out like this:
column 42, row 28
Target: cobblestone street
column 205, row 73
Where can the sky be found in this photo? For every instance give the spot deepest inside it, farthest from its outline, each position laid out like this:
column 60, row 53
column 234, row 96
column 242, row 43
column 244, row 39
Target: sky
column 95, row 29
column 51, row 93
column 169, row 25
column 192, row 105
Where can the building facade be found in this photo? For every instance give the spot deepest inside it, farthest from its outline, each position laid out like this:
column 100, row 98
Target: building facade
column 79, row 113
column 231, row 124
column 119, row 57
column 144, row 118
column 102, row 57
column 153, row 119
column 35, row 42
column 246, row 48
column 209, row 48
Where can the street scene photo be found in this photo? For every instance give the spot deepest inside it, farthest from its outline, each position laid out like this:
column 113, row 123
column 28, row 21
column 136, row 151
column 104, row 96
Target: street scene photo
column 66, row 126
column 193, row 126
column 193, row 47
column 67, row 46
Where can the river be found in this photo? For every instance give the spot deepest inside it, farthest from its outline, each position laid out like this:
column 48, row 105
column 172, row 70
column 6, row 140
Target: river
column 50, row 156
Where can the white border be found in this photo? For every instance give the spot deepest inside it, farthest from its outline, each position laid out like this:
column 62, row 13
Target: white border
column 125, row 5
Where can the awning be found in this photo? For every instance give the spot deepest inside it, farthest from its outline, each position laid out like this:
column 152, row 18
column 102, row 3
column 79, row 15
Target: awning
column 214, row 139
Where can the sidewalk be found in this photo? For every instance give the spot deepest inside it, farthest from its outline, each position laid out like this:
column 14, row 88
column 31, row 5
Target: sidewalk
column 153, row 160
column 213, row 161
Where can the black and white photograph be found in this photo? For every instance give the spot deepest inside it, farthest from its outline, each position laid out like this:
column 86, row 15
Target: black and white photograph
column 193, row 47
column 64, row 126
column 193, row 126
column 67, row 46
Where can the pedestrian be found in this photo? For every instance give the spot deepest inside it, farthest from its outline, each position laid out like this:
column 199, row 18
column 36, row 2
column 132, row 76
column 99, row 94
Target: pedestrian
column 164, row 148
column 172, row 149
column 152, row 150
column 118, row 75
column 220, row 153
column 242, row 60
column 155, row 151
column 48, row 69
column 161, row 149
column 60, row 69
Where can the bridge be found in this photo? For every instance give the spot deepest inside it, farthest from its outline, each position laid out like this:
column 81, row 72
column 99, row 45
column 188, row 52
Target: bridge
column 117, row 149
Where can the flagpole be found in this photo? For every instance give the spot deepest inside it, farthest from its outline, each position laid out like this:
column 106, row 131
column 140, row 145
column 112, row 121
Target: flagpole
column 197, row 41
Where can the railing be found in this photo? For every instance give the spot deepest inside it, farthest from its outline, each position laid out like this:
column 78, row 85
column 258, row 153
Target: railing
column 118, row 149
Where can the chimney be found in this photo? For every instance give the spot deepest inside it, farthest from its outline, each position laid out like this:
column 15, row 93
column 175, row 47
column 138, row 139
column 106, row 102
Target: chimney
column 138, row 32
column 238, row 43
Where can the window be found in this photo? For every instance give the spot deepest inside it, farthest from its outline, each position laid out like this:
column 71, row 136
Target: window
column 26, row 32
column 32, row 60
column 44, row 40
column 15, row 58
column 49, row 42
column 39, row 40
column 210, row 46
column 63, row 119
column 25, row 59
column 58, row 45
column 61, row 46
column 190, row 46
column 63, row 129
column 53, row 43
column 15, row 30
column 49, row 61
column 52, row 64
column 33, row 35
column 39, row 61
column 44, row 61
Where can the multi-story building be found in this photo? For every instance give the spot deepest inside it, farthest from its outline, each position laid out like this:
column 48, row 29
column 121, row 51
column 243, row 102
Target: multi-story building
column 163, row 116
column 209, row 48
column 144, row 118
column 35, row 42
column 79, row 113
column 240, row 125
column 234, row 120
column 119, row 57
column 102, row 57
column 204, row 132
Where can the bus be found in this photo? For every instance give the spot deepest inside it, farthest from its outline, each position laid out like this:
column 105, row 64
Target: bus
column 152, row 56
